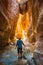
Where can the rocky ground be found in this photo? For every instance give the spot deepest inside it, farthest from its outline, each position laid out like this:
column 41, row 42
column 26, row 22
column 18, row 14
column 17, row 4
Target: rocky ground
column 9, row 57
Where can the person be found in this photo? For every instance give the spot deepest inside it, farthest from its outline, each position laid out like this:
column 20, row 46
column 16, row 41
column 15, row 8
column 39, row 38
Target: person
column 19, row 47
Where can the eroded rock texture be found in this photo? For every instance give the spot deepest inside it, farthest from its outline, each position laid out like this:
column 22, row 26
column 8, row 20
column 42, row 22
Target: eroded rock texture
column 9, row 12
column 23, row 5
column 38, row 53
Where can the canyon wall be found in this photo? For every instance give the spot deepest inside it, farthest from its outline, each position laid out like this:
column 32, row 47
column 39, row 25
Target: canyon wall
column 9, row 13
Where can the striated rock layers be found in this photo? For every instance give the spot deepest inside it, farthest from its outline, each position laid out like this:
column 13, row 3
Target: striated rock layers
column 9, row 13
column 38, row 53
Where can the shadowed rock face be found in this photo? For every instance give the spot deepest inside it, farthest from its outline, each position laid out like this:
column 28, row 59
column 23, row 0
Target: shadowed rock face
column 38, row 53
column 3, row 30
column 9, row 12
column 3, row 22
column 23, row 5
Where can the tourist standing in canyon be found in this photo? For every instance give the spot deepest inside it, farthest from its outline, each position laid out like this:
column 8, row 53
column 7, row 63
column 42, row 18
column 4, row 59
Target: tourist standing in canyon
column 19, row 47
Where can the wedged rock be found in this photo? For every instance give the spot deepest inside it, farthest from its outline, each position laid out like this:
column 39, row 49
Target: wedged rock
column 23, row 4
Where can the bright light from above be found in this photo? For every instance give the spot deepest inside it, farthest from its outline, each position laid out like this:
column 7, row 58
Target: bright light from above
column 18, row 0
column 22, row 1
column 22, row 27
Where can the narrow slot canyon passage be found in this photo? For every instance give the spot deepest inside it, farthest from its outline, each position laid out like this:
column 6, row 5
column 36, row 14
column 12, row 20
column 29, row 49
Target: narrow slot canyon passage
column 21, row 19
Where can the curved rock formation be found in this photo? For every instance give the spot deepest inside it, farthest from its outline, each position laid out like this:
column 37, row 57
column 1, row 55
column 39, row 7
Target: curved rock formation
column 9, row 13
column 23, row 5
column 38, row 53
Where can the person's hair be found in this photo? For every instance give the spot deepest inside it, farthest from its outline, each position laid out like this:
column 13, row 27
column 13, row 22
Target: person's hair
column 19, row 38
